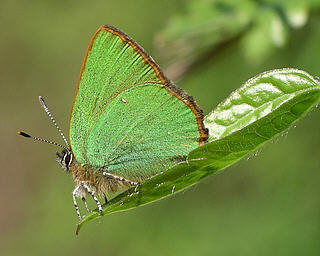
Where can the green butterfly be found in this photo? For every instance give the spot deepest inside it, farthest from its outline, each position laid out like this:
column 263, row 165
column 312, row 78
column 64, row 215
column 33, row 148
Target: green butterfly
column 128, row 121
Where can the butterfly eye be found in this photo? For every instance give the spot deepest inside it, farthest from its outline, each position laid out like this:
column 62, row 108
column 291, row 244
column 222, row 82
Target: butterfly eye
column 64, row 159
column 67, row 158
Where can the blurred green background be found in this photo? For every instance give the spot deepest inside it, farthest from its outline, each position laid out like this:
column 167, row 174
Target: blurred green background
column 268, row 204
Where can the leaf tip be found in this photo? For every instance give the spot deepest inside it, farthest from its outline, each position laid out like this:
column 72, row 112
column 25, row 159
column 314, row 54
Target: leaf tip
column 78, row 229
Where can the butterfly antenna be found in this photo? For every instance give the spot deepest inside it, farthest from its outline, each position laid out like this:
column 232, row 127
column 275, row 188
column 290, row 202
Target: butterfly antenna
column 43, row 140
column 46, row 109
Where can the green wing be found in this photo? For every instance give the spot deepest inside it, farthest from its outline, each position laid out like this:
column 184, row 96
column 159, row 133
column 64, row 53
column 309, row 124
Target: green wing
column 126, row 115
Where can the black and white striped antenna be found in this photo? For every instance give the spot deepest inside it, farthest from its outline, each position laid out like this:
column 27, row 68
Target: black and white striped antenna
column 46, row 109
column 43, row 104
column 26, row 135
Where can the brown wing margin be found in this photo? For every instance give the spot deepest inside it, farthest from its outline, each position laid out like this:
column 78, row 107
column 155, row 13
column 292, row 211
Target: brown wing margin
column 171, row 87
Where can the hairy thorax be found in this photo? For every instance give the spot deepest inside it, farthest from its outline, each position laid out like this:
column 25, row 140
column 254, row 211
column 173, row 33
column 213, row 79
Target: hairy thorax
column 94, row 178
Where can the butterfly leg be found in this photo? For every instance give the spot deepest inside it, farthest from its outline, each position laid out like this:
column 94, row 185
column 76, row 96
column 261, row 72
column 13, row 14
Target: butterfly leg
column 93, row 196
column 133, row 183
column 74, row 193
column 85, row 203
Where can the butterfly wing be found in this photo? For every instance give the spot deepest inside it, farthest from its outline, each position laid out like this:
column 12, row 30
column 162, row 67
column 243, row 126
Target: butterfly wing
column 127, row 116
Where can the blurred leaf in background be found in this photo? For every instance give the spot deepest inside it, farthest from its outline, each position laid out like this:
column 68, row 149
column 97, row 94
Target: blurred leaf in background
column 207, row 25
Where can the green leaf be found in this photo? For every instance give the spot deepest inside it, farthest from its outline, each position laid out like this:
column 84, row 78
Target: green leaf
column 257, row 98
column 262, row 108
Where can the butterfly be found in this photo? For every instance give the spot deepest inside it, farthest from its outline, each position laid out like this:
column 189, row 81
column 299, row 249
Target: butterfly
column 128, row 122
